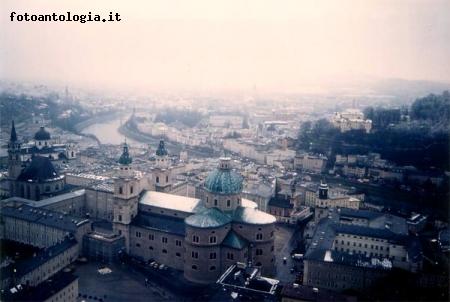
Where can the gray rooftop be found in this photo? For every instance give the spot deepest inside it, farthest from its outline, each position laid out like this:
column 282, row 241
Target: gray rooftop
column 252, row 216
column 171, row 202
column 43, row 216
column 160, row 223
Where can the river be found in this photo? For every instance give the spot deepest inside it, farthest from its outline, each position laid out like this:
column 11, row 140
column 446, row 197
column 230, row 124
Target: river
column 107, row 132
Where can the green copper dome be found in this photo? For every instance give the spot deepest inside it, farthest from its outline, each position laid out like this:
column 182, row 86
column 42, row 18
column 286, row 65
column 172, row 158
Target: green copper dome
column 161, row 151
column 208, row 218
column 224, row 181
column 125, row 158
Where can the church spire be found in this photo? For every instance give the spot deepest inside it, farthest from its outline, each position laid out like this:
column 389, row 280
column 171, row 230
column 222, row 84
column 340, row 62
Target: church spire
column 13, row 137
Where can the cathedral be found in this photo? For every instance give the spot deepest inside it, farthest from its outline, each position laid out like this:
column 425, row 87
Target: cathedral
column 35, row 178
column 202, row 237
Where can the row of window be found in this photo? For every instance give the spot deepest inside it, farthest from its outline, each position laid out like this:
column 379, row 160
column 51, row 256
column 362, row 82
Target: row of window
column 213, row 239
column 195, row 238
column 216, row 202
column 362, row 237
column 365, row 245
column 157, row 179
column 163, row 239
column 121, row 190
column 211, row 268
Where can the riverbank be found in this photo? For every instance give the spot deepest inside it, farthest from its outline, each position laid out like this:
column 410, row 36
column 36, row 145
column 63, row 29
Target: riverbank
column 97, row 120
column 128, row 129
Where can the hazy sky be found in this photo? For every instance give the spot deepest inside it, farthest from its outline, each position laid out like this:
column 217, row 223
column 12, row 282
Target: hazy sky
column 270, row 45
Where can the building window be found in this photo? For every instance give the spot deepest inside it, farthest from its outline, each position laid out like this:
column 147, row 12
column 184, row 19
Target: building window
column 207, row 199
column 212, row 268
column 272, row 248
column 178, row 242
column 138, row 245
column 212, row 256
column 195, row 239
column 194, row 255
column 120, row 190
column 194, row 267
column 212, row 239
column 230, row 256
column 178, row 254
column 150, row 248
column 215, row 202
column 120, row 232
column 164, row 239
column 259, row 236
column 138, row 234
column 120, row 217
column 167, row 178
column 151, row 237
column 271, row 234
column 164, row 251
column 157, row 179
column 131, row 190
column 228, row 203
column 259, row 252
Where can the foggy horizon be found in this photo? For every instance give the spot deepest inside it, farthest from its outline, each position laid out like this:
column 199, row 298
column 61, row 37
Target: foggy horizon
column 200, row 46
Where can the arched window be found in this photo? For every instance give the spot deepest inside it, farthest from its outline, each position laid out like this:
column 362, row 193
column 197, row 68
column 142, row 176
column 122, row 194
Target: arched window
column 194, row 267
column 164, row 251
column 195, row 239
column 259, row 236
column 157, row 179
column 259, row 252
column 212, row 239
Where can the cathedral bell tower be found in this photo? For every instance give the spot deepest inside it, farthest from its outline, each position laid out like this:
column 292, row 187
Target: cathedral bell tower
column 14, row 156
column 162, row 177
column 323, row 190
column 126, row 191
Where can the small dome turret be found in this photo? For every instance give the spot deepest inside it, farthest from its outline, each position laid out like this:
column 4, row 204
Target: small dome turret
column 42, row 134
column 125, row 158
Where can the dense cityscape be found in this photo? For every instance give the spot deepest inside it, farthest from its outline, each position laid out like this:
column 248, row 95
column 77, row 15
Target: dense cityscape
column 295, row 202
